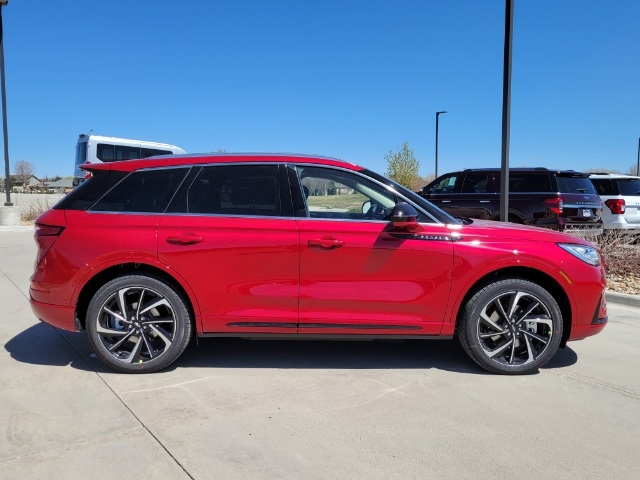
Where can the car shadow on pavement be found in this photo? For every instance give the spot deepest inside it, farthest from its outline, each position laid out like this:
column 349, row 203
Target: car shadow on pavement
column 44, row 345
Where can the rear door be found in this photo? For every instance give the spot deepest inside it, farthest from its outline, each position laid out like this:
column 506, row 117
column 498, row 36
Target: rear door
column 233, row 239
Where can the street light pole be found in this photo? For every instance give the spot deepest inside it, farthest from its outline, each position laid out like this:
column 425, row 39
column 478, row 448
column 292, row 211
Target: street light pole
column 7, row 177
column 638, row 164
column 437, row 115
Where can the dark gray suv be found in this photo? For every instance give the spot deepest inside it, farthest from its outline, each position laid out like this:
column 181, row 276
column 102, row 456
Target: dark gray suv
column 556, row 199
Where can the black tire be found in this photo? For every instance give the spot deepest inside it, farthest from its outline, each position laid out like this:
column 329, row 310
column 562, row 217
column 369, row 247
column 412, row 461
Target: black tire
column 153, row 332
column 511, row 326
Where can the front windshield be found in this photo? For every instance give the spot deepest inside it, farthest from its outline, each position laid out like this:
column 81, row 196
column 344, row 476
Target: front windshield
column 427, row 206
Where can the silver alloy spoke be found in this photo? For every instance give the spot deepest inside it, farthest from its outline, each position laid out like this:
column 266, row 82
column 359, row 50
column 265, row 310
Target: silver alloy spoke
column 115, row 314
column 527, row 313
column 513, row 353
column 541, row 319
column 530, row 351
column 500, row 309
column 493, row 334
column 491, row 323
column 135, row 353
column 110, row 332
column 155, row 304
column 140, row 303
column 540, row 338
column 148, row 344
column 163, row 334
column 514, row 302
column 121, row 341
column 499, row 350
column 122, row 304
column 158, row 320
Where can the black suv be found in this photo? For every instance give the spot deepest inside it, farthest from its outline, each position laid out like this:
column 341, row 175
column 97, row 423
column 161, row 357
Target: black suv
column 556, row 199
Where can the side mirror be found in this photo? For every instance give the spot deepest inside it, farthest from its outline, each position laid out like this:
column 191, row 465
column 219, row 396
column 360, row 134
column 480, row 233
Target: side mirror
column 405, row 216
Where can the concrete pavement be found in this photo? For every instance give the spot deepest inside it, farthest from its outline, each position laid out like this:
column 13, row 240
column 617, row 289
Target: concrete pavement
column 309, row 409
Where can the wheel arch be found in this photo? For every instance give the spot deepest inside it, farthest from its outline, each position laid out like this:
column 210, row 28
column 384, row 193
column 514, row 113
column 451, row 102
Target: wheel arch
column 90, row 288
column 525, row 273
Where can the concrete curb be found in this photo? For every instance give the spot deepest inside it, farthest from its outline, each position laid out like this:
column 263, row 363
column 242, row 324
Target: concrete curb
column 623, row 299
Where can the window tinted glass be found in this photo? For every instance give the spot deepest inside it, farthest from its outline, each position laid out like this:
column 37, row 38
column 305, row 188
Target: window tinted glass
column 475, row 183
column 83, row 196
column 150, row 152
column 447, row 185
column 236, row 190
column 571, row 184
column 145, row 191
column 604, row 186
column 629, row 187
column 528, row 182
column 104, row 152
column 332, row 193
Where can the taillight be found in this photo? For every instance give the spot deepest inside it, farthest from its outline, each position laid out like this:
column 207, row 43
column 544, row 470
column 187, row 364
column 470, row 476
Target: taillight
column 616, row 205
column 45, row 236
column 555, row 205
column 47, row 230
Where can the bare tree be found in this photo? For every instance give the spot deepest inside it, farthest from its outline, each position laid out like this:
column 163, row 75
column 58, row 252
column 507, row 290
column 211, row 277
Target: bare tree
column 23, row 171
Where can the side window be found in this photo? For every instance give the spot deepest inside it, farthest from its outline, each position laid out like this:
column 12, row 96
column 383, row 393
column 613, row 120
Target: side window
column 475, row 183
column 332, row 193
column 529, row 182
column 144, row 191
column 447, row 185
column 150, row 152
column 104, row 152
column 237, row 190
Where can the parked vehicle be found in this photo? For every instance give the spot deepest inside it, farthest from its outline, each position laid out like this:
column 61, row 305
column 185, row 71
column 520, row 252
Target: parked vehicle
column 146, row 253
column 621, row 197
column 556, row 199
column 98, row 149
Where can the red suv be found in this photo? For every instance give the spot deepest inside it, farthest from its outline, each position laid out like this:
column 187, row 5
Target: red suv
column 147, row 253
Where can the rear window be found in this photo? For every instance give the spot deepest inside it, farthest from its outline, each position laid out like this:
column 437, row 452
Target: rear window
column 520, row 182
column 144, row 191
column 604, row 186
column 575, row 184
column 629, row 187
column 85, row 195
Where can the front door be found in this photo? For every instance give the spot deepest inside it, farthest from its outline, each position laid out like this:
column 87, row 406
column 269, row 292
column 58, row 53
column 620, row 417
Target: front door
column 358, row 275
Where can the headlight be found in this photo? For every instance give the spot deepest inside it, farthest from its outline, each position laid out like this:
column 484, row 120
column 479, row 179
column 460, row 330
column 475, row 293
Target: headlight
column 584, row 253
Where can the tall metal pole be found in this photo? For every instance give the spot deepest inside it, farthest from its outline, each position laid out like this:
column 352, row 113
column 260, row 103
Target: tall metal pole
column 506, row 112
column 437, row 115
column 7, row 177
column 638, row 164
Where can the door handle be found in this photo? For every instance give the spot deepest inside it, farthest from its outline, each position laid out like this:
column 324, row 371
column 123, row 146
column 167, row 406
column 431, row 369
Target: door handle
column 325, row 242
column 485, row 201
column 445, row 201
column 184, row 239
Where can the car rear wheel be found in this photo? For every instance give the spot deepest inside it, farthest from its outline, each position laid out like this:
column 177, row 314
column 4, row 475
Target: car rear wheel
column 138, row 324
column 511, row 326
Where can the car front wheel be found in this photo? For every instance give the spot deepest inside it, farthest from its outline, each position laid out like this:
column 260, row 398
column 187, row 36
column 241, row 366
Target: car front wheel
column 138, row 324
column 511, row 326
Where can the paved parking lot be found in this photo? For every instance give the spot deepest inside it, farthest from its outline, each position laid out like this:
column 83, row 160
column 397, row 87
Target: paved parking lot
column 309, row 409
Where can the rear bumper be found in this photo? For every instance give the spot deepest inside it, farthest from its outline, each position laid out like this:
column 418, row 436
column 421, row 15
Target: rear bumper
column 59, row 316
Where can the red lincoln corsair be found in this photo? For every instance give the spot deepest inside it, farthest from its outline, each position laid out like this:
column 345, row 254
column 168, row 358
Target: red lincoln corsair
column 147, row 253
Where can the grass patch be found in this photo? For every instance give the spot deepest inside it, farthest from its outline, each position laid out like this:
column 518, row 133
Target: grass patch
column 27, row 217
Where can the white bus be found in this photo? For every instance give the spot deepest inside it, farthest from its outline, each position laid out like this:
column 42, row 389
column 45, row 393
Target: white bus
column 97, row 149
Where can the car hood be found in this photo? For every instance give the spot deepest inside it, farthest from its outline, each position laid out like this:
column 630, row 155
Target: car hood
column 488, row 230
